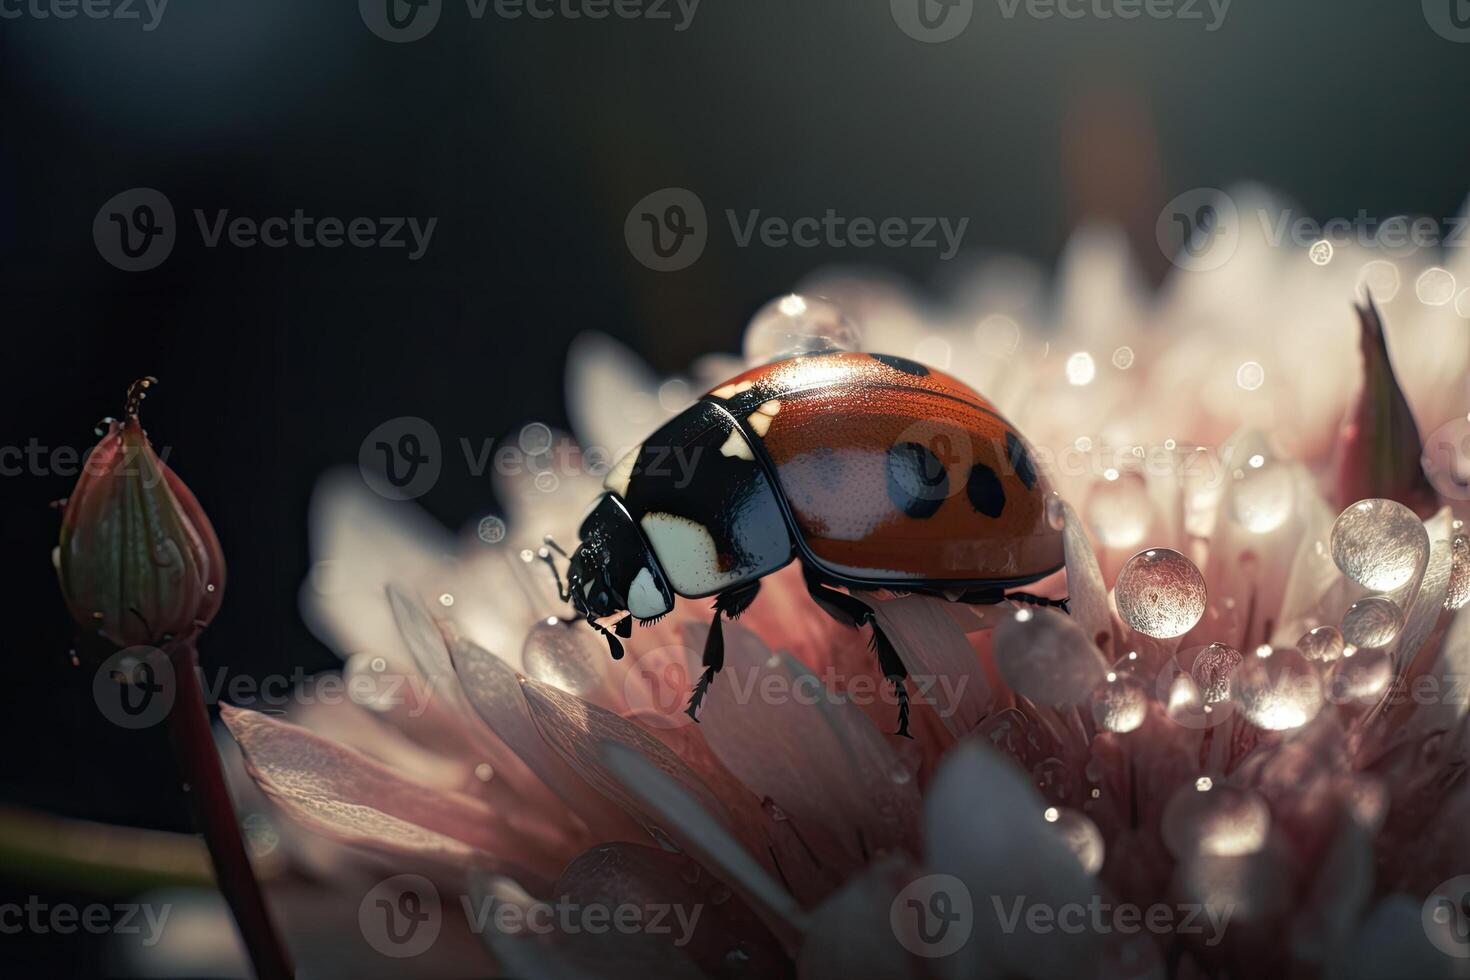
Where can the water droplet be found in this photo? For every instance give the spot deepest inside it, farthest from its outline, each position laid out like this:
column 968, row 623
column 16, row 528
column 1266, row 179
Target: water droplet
column 1362, row 677
column 446, row 600
column 1080, row 835
column 1459, row 591
column 1323, row 644
column 1160, row 593
column 1225, row 821
column 1379, row 544
column 1056, row 512
column 1123, row 358
column 900, row 775
column 1119, row 511
column 794, row 325
column 1372, row 622
column 1120, row 704
column 1212, row 669
column 563, row 656
column 1045, row 656
column 1081, row 369
column 1435, row 286
column 1261, row 498
column 378, row 665
column 1250, row 375
column 1321, row 252
column 484, row 772
column 1277, row 692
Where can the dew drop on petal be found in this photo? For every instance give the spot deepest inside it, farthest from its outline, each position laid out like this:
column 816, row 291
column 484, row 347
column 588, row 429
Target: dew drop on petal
column 562, row 655
column 1046, row 657
column 1380, row 544
column 1123, row 358
column 1212, row 669
column 1459, row 590
column 1119, row 511
column 1056, row 512
column 1119, row 704
column 484, row 772
column 1362, row 677
column 1323, row 644
column 797, row 324
column 1205, row 817
column 1277, row 692
column 1160, row 593
column 1372, row 622
column 1321, row 252
column 1261, row 499
column 1080, row 835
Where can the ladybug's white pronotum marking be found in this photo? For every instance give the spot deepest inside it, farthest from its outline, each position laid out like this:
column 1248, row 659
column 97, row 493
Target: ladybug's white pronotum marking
column 645, row 601
column 687, row 552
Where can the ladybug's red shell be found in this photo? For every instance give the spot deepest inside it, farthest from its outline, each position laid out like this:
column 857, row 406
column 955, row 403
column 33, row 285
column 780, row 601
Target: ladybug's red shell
column 892, row 473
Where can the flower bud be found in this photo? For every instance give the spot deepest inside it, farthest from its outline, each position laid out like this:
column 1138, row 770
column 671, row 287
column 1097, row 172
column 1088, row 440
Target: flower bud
column 138, row 560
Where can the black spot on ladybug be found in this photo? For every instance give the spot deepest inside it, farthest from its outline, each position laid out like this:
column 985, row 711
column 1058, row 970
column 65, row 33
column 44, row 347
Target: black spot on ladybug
column 1020, row 460
column 902, row 364
column 983, row 488
column 917, row 482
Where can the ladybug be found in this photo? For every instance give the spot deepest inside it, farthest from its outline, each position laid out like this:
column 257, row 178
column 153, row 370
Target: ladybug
column 874, row 472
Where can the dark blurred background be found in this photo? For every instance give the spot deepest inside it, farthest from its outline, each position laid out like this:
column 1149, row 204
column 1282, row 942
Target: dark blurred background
column 529, row 141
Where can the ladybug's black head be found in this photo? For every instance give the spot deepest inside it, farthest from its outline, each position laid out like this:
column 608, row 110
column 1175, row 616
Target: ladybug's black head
column 613, row 569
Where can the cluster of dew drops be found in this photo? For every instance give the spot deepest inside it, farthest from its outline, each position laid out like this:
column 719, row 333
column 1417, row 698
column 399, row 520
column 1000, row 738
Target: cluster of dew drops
column 1380, row 547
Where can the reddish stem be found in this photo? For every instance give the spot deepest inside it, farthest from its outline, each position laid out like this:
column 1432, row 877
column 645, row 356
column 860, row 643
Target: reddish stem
column 214, row 813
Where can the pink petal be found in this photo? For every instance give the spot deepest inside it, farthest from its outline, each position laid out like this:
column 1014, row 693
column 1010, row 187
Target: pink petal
column 940, row 660
column 787, row 737
column 343, row 794
column 851, row 934
column 1087, row 596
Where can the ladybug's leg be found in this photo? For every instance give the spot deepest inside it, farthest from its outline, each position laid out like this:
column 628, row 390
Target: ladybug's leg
column 1038, row 600
column 852, row 611
column 729, row 604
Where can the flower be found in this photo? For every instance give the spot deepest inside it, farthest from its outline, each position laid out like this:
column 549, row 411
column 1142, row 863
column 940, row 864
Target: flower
column 138, row 560
column 1244, row 747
